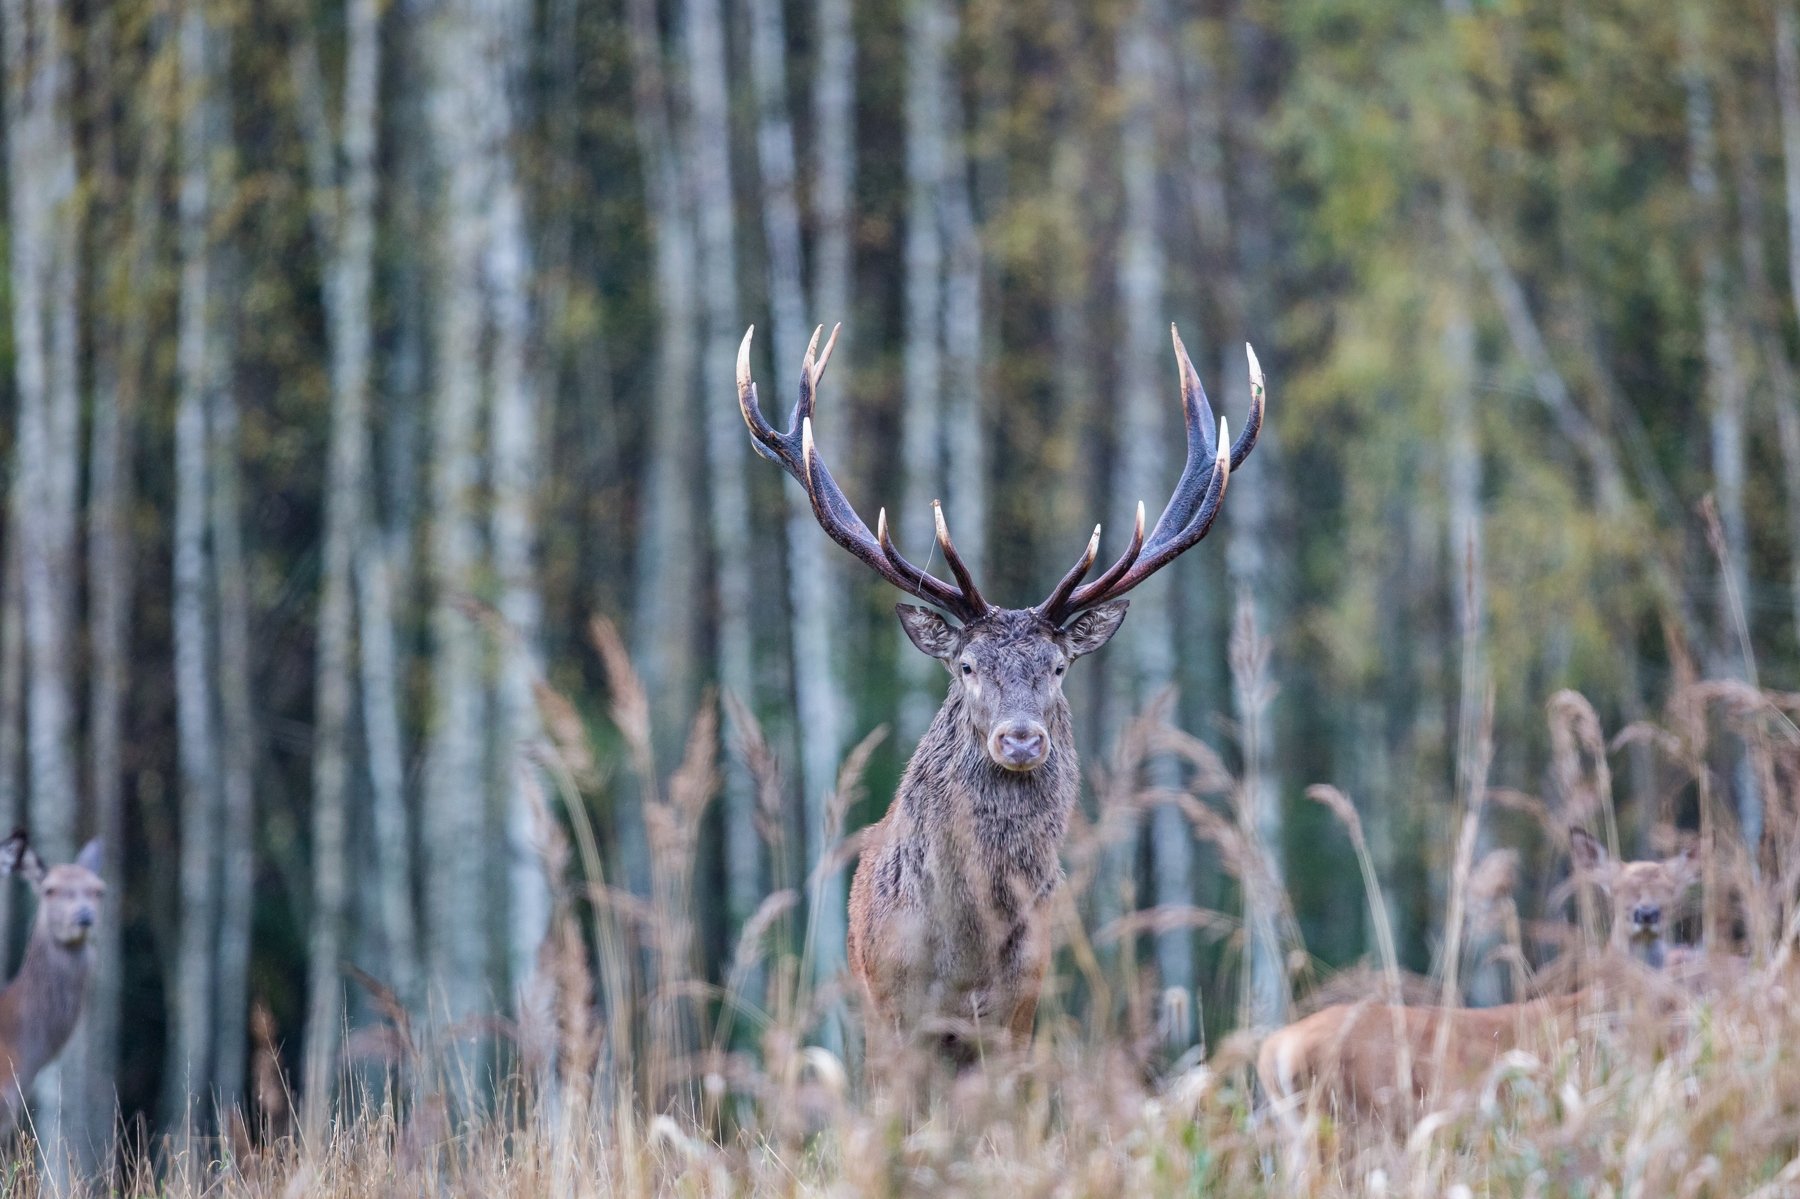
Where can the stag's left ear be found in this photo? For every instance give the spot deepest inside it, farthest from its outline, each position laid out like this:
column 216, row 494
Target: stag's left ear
column 17, row 857
column 1590, row 858
column 92, row 855
column 934, row 635
column 1684, row 867
column 1093, row 628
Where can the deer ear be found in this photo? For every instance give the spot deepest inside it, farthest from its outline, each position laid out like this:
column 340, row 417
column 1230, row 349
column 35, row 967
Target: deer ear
column 12, row 853
column 92, row 855
column 1094, row 628
column 1590, row 857
column 1684, row 867
column 17, row 857
column 935, row 636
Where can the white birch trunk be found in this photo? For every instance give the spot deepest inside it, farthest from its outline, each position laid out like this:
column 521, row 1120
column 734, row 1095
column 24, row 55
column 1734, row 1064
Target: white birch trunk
column 812, row 591
column 237, row 830
column 1787, row 81
column 726, row 445
column 1462, row 483
column 1726, row 390
column 1250, row 516
column 349, row 242
column 669, row 538
column 454, row 818
column 1144, row 469
column 965, row 433
column 514, row 442
column 12, row 694
column 928, row 29
column 188, row 1069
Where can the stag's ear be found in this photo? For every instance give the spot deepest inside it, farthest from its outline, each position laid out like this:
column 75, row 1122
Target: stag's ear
column 92, row 855
column 1094, row 628
column 935, row 636
column 17, row 857
column 1590, row 857
column 1684, row 867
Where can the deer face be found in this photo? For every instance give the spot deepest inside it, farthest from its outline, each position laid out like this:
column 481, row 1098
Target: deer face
column 69, row 896
column 1007, row 669
column 1645, row 896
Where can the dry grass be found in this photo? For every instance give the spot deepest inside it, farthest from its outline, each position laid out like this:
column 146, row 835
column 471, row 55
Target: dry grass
column 631, row 1070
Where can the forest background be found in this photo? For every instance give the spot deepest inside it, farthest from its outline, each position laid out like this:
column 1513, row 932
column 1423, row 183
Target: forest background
column 362, row 355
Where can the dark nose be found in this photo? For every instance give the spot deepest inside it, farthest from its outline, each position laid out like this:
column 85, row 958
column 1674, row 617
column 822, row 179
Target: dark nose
column 84, row 918
column 1020, row 744
column 1646, row 913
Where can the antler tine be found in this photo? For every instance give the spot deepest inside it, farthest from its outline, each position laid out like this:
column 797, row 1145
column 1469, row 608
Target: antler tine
column 1104, row 586
column 964, row 579
column 1195, row 502
column 1155, row 558
column 796, row 452
column 1066, row 586
column 927, row 587
column 1253, row 425
column 1196, row 471
column 763, row 437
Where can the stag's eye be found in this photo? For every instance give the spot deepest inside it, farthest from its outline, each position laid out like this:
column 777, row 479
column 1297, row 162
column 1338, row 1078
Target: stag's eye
column 968, row 669
column 1060, row 668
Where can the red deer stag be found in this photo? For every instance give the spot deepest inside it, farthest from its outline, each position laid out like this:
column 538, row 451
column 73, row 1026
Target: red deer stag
column 39, row 1007
column 948, row 908
column 1353, row 1052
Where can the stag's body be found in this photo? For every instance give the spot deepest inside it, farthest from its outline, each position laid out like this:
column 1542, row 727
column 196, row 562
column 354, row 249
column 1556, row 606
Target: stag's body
column 40, row 1007
column 947, row 908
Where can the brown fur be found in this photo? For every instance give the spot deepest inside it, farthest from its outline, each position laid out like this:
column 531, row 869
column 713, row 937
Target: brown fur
column 948, row 908
column 1349, row 1052
column 41, row 1005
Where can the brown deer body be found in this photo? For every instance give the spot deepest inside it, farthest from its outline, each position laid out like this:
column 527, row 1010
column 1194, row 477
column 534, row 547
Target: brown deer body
column 1351, row 1053
column 42, row 1004
column 948, row 908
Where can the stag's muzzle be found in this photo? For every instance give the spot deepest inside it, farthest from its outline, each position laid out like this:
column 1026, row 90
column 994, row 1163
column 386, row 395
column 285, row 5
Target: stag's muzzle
column 1019, row 745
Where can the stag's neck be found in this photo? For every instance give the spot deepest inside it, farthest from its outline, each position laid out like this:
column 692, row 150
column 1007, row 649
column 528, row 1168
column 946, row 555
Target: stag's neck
column 952, row 788
column 39, row 1007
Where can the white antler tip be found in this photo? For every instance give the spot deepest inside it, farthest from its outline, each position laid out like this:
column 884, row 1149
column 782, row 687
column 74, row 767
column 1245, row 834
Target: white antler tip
column 881, row 525
column 1256, row 375
column 743, row 359
column 806, row 440
column 1224, row 440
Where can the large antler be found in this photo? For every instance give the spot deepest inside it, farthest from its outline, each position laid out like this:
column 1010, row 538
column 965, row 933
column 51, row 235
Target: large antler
column 795, row 452
column 1190, row 511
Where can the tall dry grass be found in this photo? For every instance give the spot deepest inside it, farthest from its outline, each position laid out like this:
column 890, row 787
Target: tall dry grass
column 627, row 1067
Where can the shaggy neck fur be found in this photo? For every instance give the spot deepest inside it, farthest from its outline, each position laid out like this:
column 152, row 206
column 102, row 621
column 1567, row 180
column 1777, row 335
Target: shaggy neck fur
column 39, row 1008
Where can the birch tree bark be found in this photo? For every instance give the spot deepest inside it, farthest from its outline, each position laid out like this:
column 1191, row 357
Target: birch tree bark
column 514, row 445
column 120, row 363
column 727, row 493
column 1251, row 516
column 928, row 31
column 237, row 829
column 43, row 235
column 346, row 229
column 667, row 566
column 811, row 583
column 1787, row 85
column 189, row 1068
column 1726, row 393
column 454, row 817
column 1143, row 465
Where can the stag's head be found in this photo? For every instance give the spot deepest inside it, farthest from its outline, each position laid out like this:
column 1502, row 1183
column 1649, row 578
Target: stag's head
column 69, row 895
column 1007, row 664
column 1008, row 669
column 1645, row 896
